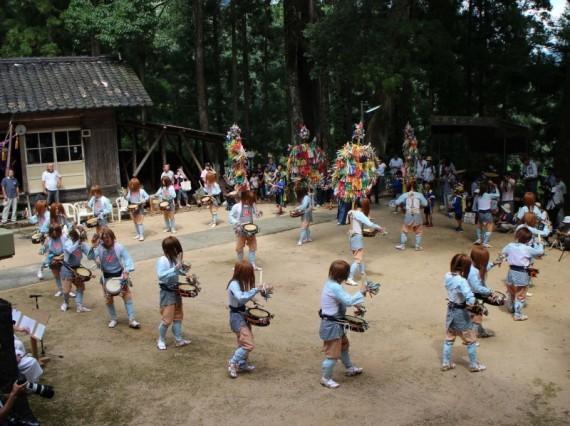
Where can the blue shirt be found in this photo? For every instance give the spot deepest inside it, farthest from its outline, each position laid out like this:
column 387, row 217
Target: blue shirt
column 334, row 299
column 237, row 297
column 10, row 185
column 112, row 260
column 458, row 204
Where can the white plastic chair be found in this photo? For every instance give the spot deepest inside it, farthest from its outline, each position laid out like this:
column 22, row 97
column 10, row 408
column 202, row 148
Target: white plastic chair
column 70, row 212
column 122, row 207
column 83, row 212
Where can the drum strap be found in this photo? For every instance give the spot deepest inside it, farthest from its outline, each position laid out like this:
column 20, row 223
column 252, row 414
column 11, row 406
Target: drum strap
column 112, row 274
column 328, row 317
column 168, row 287
column 237, row 310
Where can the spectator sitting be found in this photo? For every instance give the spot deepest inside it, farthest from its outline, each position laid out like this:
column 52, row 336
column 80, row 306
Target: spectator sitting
column 506, row 220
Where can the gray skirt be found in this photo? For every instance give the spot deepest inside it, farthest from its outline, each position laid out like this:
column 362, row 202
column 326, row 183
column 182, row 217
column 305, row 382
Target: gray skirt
column 458, row 320
column 486, row 217
column 518, row 278
column 169, row 298
column 66, row 273
column 356, row 242
column 237, row 321
column 413, row 219
column 307, row 217
column 330, row 330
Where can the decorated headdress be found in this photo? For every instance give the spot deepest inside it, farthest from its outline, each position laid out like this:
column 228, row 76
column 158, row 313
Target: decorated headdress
column 304, row 133
column 358, row 133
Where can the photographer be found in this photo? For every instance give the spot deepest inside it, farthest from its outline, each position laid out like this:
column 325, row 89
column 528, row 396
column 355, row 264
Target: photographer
column 7, row 403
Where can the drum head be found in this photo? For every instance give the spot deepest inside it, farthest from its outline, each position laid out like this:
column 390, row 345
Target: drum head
column 114, row 285
column 206, row 199
column 250, row 227
column 355, row 320
column 187, row 287
column 133, row 206
column 258, row 313
column 37, row 238
column 83, row 272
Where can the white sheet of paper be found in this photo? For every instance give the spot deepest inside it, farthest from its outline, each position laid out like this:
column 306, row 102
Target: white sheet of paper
column 39, row 333
column 28, row 323
column 16, row 316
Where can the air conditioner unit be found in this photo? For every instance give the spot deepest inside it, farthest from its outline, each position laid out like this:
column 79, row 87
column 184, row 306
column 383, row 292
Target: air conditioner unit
column 85, row 133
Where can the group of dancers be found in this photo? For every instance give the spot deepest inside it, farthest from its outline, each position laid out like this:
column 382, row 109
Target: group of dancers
column 465, row 282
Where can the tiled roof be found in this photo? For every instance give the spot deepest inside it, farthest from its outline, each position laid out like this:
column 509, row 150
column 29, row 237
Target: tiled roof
column 74, row 82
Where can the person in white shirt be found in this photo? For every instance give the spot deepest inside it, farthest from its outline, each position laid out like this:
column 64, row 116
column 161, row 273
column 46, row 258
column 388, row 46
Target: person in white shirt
column 556, row 201
column 167, row 172
column 51, row 181
column 421, row 164
column 507, row 187
column 428, row 172
column 396, row 163
column 380, row 179
column 529, row 175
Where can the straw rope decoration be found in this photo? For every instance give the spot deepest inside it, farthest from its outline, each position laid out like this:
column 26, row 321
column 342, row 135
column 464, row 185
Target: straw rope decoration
column 372, row 287
column 306, row 161
column 237, row 158
column 411, row 154
column 354, row 168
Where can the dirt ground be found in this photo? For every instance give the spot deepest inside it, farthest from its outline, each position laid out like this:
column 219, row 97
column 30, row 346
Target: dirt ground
column 117, row 376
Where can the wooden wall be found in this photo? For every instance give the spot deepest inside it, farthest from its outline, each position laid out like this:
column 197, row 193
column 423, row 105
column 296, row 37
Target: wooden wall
column 100, row 150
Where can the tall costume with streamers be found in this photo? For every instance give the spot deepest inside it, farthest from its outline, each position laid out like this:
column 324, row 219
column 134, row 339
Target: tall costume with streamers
column 411, row 156
column 354, row 169
column 237, row 159
column 306, row 162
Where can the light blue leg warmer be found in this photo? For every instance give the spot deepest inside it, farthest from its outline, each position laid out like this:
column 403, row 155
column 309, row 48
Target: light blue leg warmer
column 486, row 237
column 478, row 233
column 251, row 257
column 111, row 310
column 162, row 329
column 418, row 240
column 141, row 230
column 167, row 224
column 353, row 269
column 362, row 268
column 239, row 356
column 79, row 297
column 240, row 256
column 58, row 284
column 177, row 329
column 447, row 350
column 345, row 358
column 302, row 235
column 172, row 224
column 403, row 238
column 472, row 352
column 518, row 307
column 130, row 308
column 327, row 367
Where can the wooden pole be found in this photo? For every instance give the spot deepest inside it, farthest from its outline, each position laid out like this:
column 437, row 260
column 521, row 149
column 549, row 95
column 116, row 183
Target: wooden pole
column 9, row 149
column 149, row 152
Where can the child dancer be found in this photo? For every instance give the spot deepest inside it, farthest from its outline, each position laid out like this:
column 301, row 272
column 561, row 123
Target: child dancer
column 359, row 217
column 241, row 289
column 429, row 195
column 242, row 213
column 168, row 268
column 138, row 196
column 73, row 250
column 488, row 192
column 168, row 194
column 519, row 255
column 57, row 216
column 42, row 220
column 334, row 301
column 480, row 265
column 114, row 261
column 54, row 247
column 529, row 201
column 307, row 208
column 100, row 205
column 212, row 188
column 458, row 321
column 412, row 201
column 457, row 206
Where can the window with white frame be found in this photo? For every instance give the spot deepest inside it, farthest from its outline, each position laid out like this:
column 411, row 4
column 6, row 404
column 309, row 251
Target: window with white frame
column 64, row 147
column 57, row 146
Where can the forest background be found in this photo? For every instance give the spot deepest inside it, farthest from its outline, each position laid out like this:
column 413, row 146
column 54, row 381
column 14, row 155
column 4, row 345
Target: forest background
column 270, row 65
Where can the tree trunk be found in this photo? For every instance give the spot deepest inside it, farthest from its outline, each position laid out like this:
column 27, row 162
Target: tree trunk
column 292, row 34
column 324, row 107
column 201, row 84
column 562, row 148
column 235, row 88
column 247, row 100
column 218, row 92
column 265, row 85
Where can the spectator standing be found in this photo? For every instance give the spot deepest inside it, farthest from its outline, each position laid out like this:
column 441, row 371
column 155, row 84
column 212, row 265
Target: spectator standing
column 51, row 181
column 395, row 164
column 507, row 188
column 167, row 172
column 380, row 179
column 428, row 175
column 185, row 186
column 529, row 175
column 11, row 193
column 556, row 201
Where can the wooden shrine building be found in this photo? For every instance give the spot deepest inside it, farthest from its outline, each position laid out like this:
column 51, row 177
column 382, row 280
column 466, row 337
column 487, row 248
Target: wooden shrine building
column 63, row 110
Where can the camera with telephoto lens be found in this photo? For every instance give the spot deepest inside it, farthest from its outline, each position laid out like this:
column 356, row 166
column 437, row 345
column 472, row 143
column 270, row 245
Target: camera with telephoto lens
column 44, row 391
